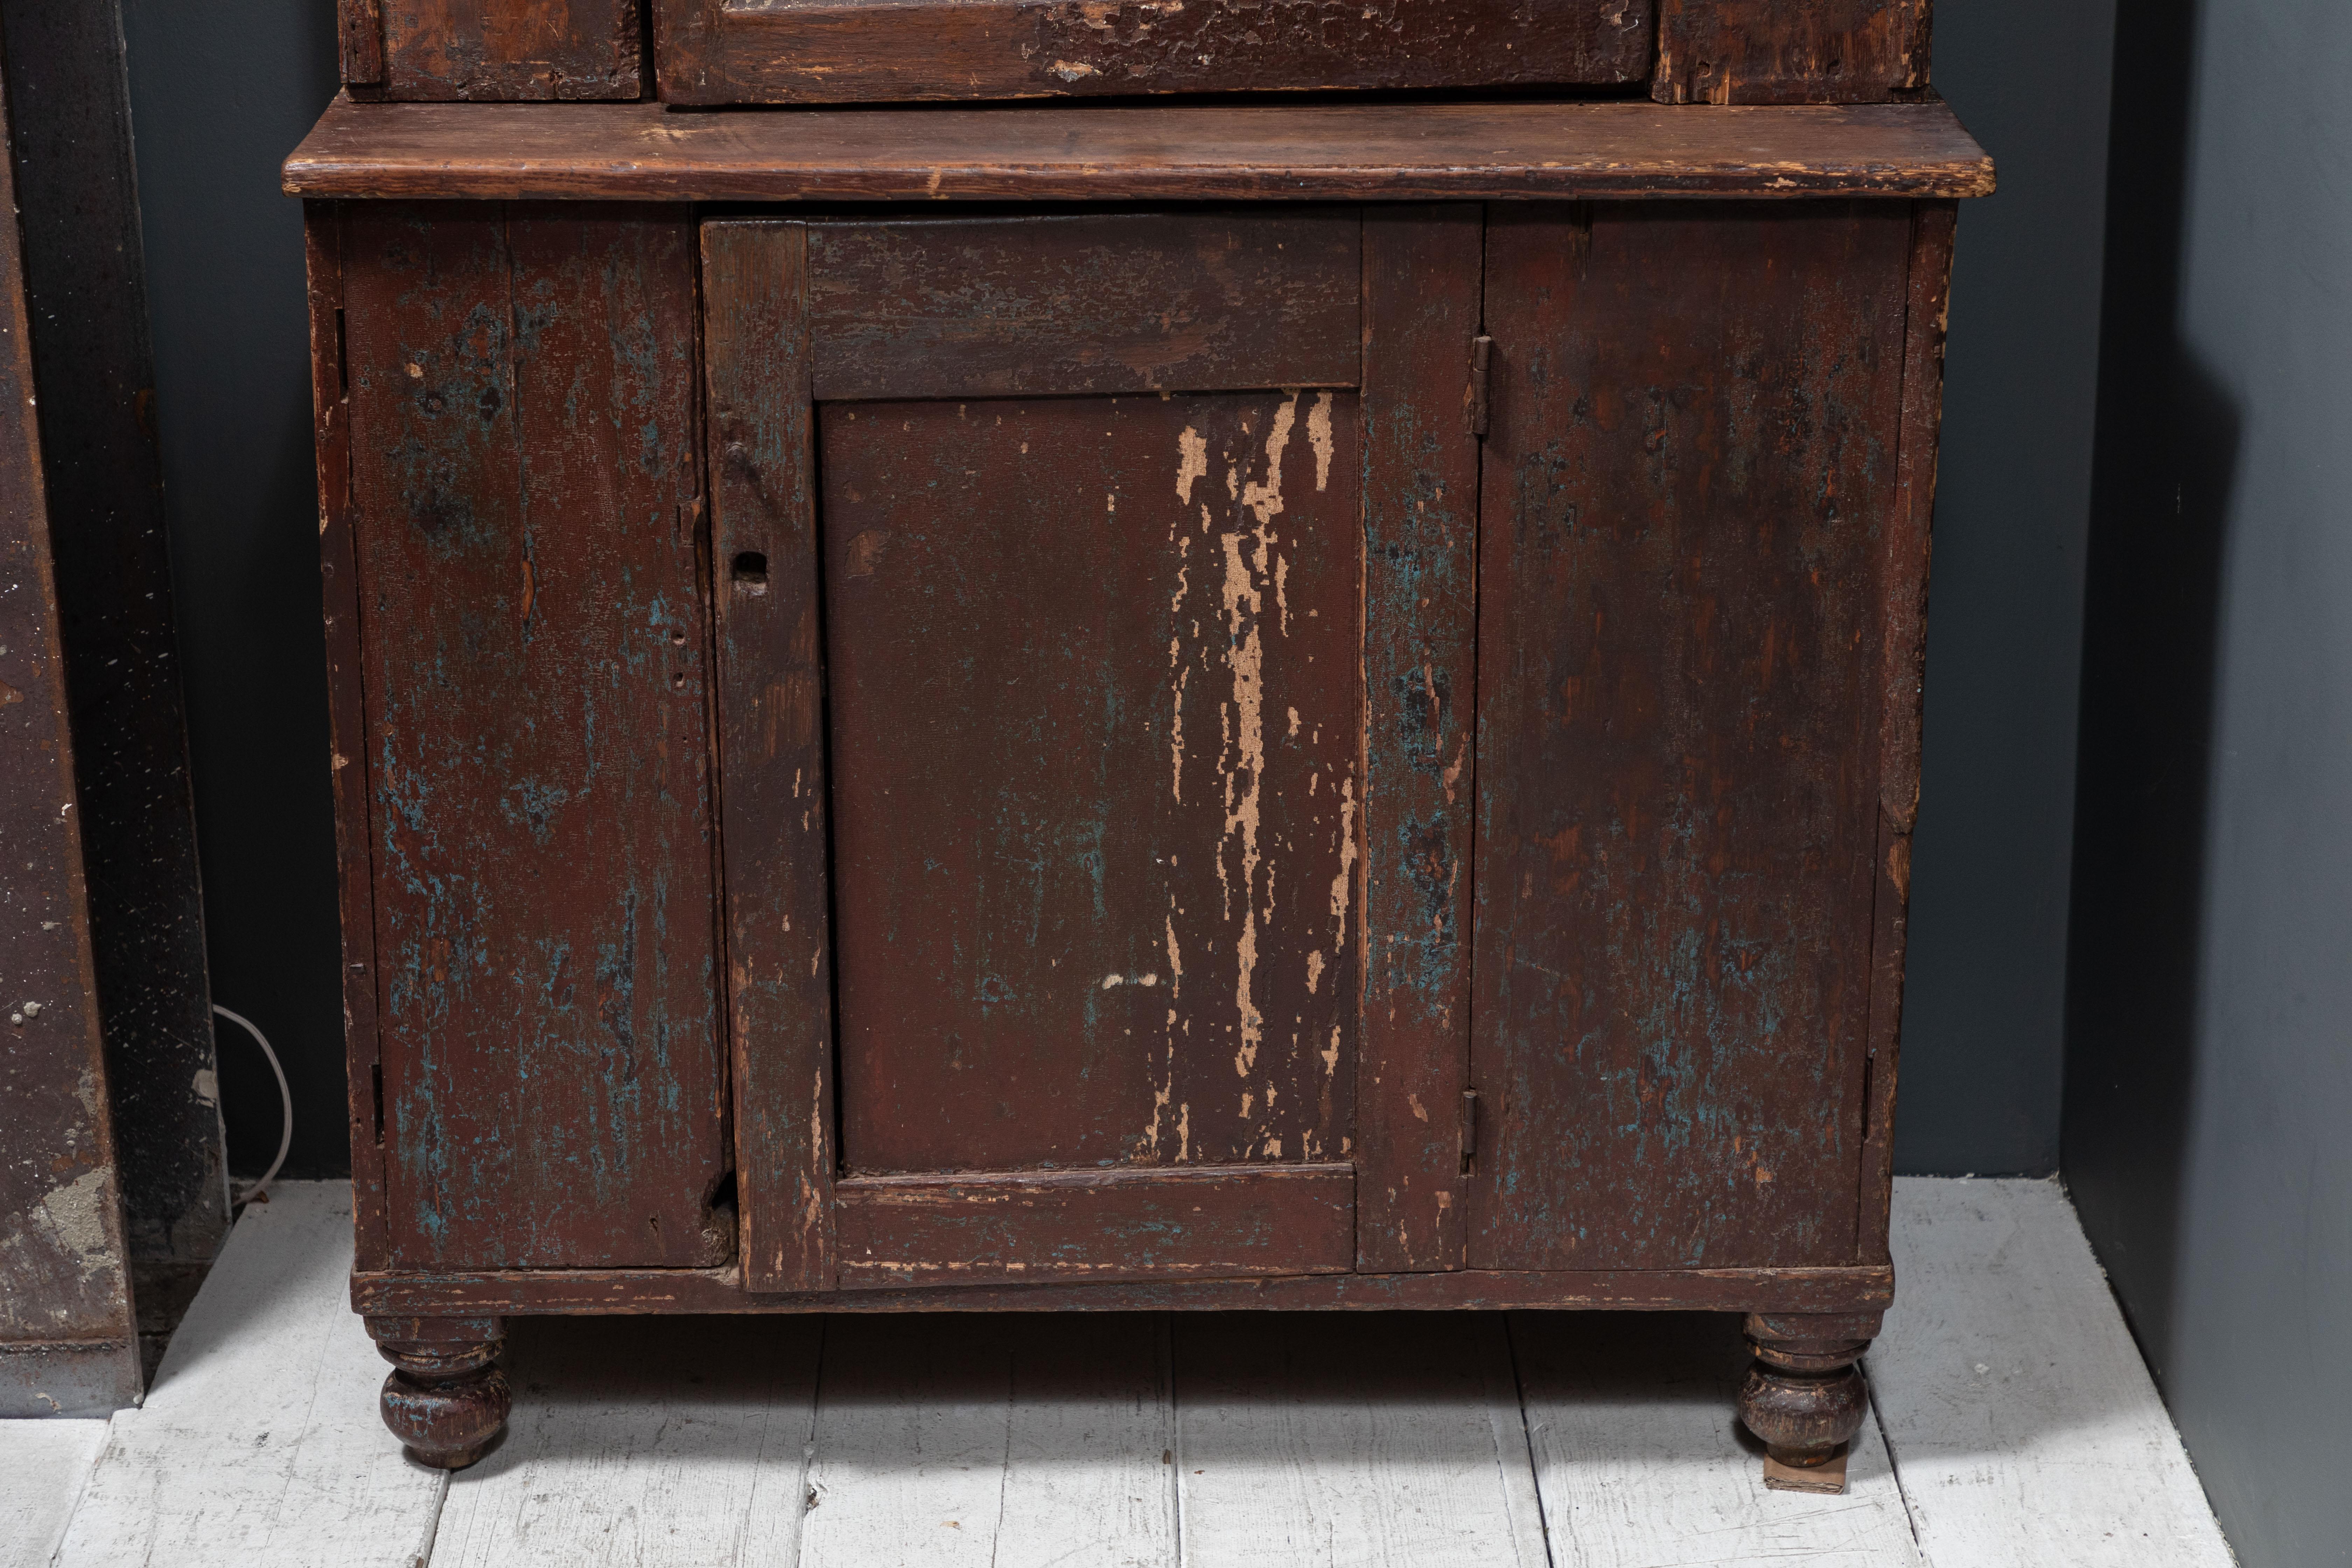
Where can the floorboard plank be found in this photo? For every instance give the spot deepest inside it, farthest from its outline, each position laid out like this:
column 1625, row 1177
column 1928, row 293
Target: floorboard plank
column 644, row 1442
column 259, row 1446
column 1351, row 1440
column 43, row 1465
column 1641, row 1463
column 2022, row 1419
column 1012, row 1441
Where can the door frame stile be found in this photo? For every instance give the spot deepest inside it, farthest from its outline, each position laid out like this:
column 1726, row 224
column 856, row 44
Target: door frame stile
column 1424, row 277
column 759, row 429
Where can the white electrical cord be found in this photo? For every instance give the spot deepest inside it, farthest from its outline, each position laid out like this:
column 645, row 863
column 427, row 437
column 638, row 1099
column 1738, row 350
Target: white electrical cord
column 285, row 1101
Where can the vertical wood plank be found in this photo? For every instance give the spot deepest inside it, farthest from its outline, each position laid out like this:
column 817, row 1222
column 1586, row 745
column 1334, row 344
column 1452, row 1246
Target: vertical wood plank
column 1421, row 297
column 67, row 1340
column 70, row 136
column 651, row 1442
column 1351, row 1439
column 347, row 728
column 1768, row 51
column 1643, row 1464
column 1903, row 686
column 772, row 732
column 1014, row 1441
column 1685, row 504
column 360, row 41
column 524, row 461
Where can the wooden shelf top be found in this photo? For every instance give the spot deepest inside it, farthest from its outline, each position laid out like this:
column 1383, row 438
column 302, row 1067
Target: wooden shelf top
column 1391, row 152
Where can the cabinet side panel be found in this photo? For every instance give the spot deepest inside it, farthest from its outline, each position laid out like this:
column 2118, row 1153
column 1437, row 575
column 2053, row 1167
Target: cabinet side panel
column 523, row 484
column 505, row 49
column 1768, row 51
column 772, row 746
column 1902, row 662
column 1421, row 523
column 347, row 727
column 1686, row 508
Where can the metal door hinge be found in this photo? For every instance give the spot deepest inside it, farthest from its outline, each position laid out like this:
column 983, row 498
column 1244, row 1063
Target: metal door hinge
column 1474, row 397
column 1469, row 1128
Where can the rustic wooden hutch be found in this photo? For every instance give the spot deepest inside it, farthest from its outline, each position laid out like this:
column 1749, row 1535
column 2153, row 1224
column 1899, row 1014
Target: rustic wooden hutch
column 1291, row 700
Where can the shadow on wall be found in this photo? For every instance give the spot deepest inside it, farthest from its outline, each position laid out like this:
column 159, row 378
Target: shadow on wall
column 2165, row 464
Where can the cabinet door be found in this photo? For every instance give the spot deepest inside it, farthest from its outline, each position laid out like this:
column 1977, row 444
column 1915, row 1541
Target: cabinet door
column 508, row 429
column 1690, row 494
column 1043, row 727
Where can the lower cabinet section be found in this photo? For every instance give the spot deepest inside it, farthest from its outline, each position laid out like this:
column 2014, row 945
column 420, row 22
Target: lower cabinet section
column 1292, row 755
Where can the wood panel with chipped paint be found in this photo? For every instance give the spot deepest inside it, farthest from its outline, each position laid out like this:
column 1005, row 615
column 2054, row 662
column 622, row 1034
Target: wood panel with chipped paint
column 1095, row 700
column 491, row 50
column 1054, row 303
column 770, row 712
column 1211, row 1222
column 1770, row 52
column 523, row 488
column 1422, row 269
column 1686, row 500
column 713, row 52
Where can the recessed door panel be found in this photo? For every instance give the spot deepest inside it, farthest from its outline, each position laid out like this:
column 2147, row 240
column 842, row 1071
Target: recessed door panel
column 1094, row 707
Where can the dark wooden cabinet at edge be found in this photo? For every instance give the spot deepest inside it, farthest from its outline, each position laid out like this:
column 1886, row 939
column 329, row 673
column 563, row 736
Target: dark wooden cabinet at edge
column 1290, row 755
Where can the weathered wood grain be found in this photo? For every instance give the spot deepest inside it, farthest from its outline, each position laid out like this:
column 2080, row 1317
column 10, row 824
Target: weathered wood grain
column 998, row 1442
column 645, row 1443
column 2018, row 1410
column 68, row 1345
column 837, row 51
column 259, row 1446
column 722, row 1291
column 1641, row 1463
column 769, row 707
column 1902, row 677
column 359, row 41
column 1420, row 281
column 1094, row 699
column 1685, row 506
column 1227, row 1222
column 1390, row 153
column 1338, row 1442
column 78, row 204
column 347, row 728
column 1049, row 305
column 1770, row 52
column 497, row 49
column 524, row 485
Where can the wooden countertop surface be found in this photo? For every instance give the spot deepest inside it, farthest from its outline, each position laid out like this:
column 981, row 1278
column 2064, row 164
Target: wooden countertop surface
column 1389, row 152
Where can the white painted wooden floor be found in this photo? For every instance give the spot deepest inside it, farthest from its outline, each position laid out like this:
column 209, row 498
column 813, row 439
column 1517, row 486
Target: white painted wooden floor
column 2015, row 1426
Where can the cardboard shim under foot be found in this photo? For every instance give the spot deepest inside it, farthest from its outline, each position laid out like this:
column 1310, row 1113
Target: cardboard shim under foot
column 1827, row 1477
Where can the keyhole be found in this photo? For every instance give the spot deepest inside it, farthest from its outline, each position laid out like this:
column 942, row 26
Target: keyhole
column 751, row 571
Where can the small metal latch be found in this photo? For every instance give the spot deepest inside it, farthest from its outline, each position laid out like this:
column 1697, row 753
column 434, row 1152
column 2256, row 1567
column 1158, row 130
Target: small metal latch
column 1469, row 1128
column 1474, row 398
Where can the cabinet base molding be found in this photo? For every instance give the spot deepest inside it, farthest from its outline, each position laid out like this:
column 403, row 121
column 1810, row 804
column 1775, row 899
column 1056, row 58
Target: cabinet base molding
column 1791, row 1295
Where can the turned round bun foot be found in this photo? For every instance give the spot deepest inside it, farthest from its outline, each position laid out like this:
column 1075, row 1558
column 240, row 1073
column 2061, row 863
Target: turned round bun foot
column 447, row 1425
column 1803, row 1395
column 446, row 1399
column 1803, row 1418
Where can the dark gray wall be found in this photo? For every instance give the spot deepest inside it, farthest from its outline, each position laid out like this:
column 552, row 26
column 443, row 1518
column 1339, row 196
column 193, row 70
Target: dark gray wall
column 222, row 91
column 1983, row 1018
column 2209, row 1089
column 219, row 94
